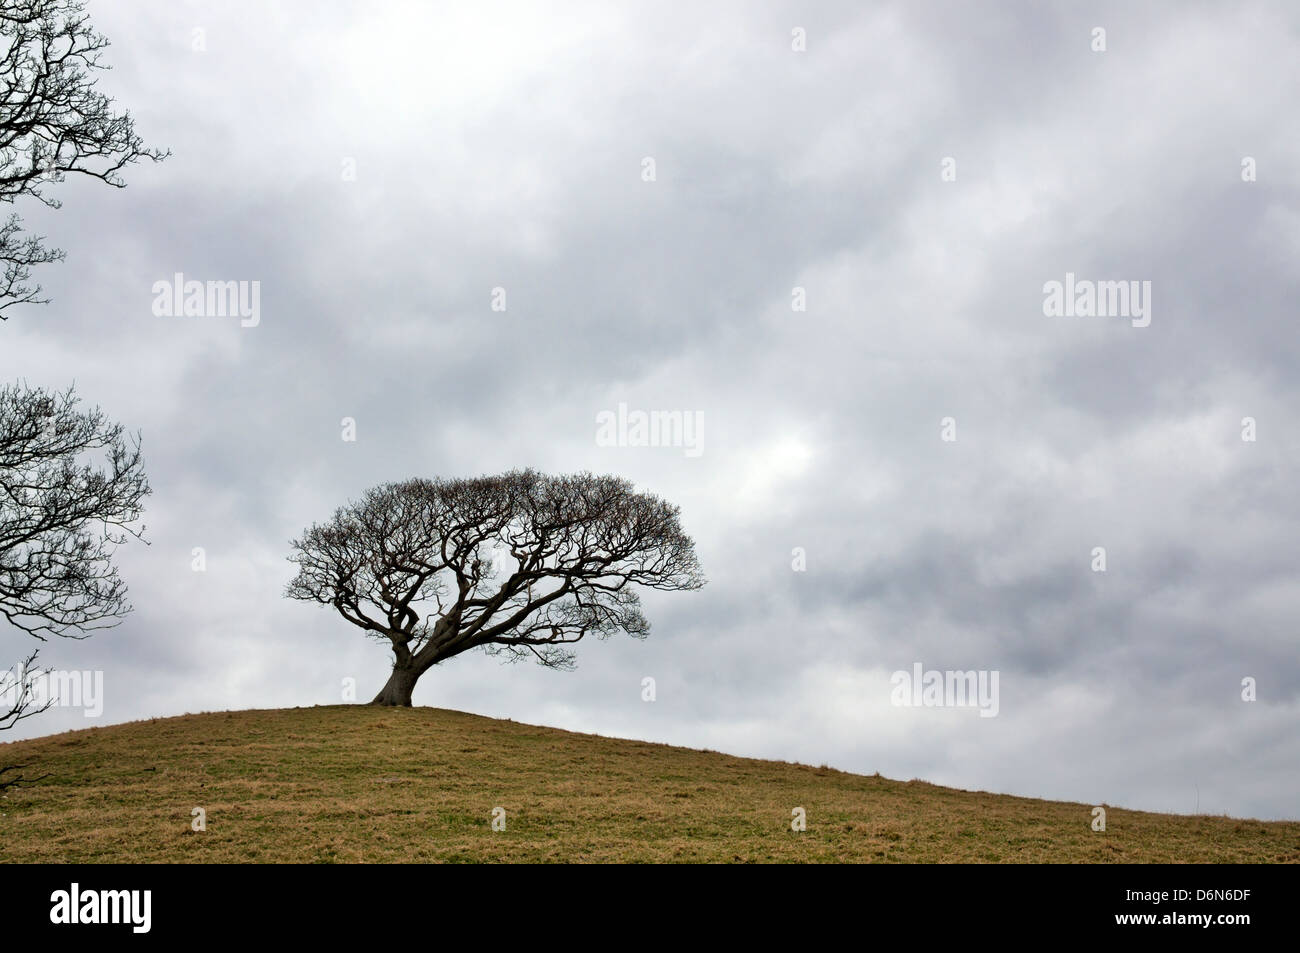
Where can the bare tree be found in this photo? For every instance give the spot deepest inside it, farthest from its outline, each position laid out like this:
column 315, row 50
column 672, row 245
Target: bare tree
column 18, row 691
column 71, row 482
column 71, row 490
column 61, row 514
column 520, row 564
column 53, row 121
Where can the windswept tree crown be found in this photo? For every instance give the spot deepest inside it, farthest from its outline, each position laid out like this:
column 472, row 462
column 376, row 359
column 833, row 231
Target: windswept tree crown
column 523, row 563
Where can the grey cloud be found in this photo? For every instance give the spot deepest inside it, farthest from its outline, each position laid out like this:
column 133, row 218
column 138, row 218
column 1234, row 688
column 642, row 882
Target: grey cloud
column 510, row 156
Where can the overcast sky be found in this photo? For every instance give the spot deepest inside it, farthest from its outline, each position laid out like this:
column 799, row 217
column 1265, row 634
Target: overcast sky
column 500, row 146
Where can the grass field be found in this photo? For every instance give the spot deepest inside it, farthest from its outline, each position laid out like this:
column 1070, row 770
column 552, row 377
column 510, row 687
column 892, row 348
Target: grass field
column 353, row 783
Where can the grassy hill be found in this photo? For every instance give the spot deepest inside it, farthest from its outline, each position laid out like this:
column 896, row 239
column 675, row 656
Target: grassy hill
column 352, row 783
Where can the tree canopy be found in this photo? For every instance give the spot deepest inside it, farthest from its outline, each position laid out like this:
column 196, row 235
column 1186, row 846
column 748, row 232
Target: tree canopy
column 521, row 564
column 72, row 486
column 53, row 122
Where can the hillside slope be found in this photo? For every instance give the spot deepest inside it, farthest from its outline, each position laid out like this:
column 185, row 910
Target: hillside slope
column 353, row 783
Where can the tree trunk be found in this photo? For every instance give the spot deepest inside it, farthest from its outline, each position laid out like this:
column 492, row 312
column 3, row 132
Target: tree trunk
column 397, row 692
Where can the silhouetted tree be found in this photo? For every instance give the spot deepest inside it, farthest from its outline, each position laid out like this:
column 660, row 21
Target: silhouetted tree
column 53, row 121
column 522, row 564
column 70, row 481
column 18, row 691
column 71, row 489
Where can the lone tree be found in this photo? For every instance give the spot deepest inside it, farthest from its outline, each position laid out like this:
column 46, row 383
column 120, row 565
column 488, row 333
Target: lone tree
column 521, row 564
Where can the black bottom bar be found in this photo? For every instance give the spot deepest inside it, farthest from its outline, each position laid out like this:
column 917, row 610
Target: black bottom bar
column 1182, row 903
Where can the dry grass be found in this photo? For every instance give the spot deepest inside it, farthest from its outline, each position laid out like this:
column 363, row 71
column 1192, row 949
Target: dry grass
column 351, row 783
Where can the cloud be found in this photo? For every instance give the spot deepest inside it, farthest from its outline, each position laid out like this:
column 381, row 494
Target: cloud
column 504, row 148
